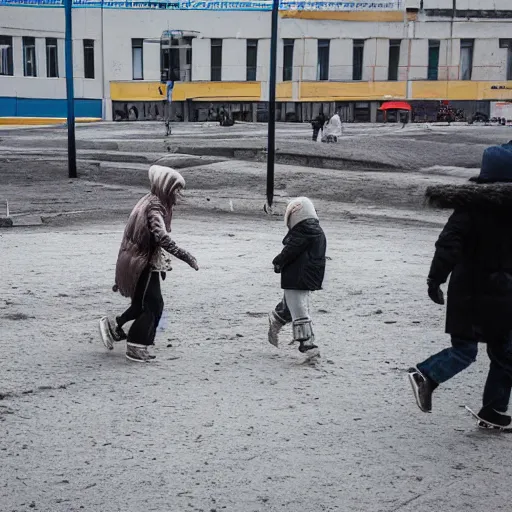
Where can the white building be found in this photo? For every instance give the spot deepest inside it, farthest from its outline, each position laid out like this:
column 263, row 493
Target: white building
column 352, row 60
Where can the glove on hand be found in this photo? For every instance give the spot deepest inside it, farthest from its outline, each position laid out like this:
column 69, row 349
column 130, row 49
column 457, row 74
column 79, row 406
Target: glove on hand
column 193, row 263
column 435, row 293
column 277, row 269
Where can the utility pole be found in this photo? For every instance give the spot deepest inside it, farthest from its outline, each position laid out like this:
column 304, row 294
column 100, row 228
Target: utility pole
column 70, row 91
column 271, row 146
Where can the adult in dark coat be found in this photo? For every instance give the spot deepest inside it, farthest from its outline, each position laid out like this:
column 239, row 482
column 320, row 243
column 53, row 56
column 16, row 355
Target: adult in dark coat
column 318, row 125
column 475, row 248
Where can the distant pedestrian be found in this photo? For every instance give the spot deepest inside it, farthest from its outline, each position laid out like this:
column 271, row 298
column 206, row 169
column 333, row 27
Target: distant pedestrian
column 143, row 258
column 475, row 247
column 301, row 264
column 318, row 125
column 334, row 129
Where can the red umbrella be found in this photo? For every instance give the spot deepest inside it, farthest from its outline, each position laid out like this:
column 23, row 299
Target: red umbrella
column 395, row 105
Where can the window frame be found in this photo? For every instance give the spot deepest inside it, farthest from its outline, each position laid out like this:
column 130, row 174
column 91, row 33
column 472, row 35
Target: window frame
column 7, row 42
column 288, row 69
column 52, row 43
column 357, row 71
column 470, row 45
column 323, row 64
column 251, row 69
column 138, row 44
column 29, row 47
column 89, row 47
column 216, row 45
column 394, row 44
column 507, row 43
column 434, row 46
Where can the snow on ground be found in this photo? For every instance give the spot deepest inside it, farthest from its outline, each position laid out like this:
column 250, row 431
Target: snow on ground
column 223, row 421
column 411, row 148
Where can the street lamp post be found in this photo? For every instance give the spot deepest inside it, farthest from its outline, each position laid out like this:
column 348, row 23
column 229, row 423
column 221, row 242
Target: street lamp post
column 68, row 5
column 271, row 147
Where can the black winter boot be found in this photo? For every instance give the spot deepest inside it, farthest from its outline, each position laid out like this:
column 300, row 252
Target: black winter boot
column 422, row 387
column 490, row 418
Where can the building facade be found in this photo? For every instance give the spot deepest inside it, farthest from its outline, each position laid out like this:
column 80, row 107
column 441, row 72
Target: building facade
column 429, row 53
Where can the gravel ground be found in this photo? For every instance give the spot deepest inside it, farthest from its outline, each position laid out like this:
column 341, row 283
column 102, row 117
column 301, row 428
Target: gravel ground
column 411, row 148
column 42, row 188
column 223, row 421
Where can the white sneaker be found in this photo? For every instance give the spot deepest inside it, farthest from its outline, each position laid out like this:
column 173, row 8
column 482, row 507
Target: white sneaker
column 106, row 336
column 138, row 353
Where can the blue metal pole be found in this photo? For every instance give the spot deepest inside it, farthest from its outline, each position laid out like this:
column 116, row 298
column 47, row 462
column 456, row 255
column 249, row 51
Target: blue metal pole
column 70, row 91
column 271, row 149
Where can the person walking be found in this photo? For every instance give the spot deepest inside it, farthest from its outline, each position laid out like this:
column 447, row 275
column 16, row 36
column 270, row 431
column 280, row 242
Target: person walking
column 318, row 125
column 301, row 264
column 144, row 258
column 475, row 248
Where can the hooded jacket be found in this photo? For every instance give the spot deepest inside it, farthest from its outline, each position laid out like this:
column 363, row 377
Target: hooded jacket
column 475, row 247
column 148, row 228
column 301, row 263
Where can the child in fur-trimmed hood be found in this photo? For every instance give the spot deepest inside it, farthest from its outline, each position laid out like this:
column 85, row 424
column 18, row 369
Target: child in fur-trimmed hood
column 301, row 264
column 143, row 258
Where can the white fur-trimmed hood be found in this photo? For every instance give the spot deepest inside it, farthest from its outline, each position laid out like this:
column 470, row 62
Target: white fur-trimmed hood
column 163, row 181
column 298, row 210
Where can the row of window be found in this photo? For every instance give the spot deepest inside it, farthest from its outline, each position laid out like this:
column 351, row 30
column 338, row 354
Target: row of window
column 466, row 59
column 323, row 59
column 176, row 60
column 30, row 64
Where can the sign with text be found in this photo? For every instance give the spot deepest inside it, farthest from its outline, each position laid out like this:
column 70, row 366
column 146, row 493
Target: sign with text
column 212, row 5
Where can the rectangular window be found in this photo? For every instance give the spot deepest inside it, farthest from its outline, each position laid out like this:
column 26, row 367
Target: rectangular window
column 506, row 43
column 394, row 58
column 165, row 63
column 137, row 59
column 357, row 58
column 175, row 61
column 288, row 45
column 88, row 58
column 433, row 59
column 6, row 65
column 29, row 56
column 52, row 60
column 322, row 72
column 216, row 60
column 252, row 59
column 466, row 58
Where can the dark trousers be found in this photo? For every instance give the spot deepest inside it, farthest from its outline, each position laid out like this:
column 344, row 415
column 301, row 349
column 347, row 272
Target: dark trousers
column 449, row 362
column 316, row 131
column 146, row 309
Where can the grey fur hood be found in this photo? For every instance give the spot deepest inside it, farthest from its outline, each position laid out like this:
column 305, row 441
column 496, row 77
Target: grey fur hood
column 497, row 196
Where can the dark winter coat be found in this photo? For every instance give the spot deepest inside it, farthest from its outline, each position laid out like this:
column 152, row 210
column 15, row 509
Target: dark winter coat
column 475, row 247
column 302, row 260
column 319, row 122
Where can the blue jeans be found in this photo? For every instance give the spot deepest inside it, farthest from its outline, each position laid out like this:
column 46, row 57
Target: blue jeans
column 451, row 361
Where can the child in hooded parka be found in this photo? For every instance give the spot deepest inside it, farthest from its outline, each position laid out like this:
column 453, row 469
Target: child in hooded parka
column 144, row 258
column 301, row 264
